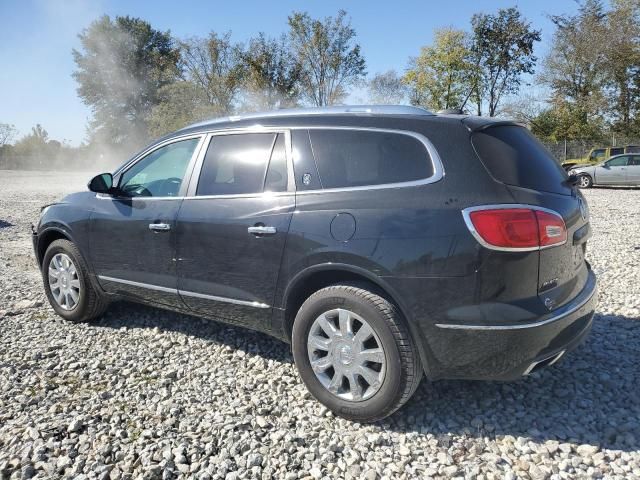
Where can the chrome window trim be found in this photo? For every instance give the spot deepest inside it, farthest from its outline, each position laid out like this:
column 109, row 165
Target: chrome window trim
column 207, row 134
column 434, row 158
column 467, row 220
column 183, row 292
column 591, row 283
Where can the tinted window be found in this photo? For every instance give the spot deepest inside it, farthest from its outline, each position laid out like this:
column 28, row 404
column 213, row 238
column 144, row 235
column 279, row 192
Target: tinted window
column 633, row 149
column 276, row 180
column 617, row 162
column 235, row 164
column 160, row 173
column 635, row 160
column 616, row 151
column 353, row 158
column 304, row 165
column 515, row 157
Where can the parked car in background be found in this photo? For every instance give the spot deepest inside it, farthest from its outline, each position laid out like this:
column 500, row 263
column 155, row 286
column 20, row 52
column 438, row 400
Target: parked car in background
column 599, row 155
column 355, row 233
column 618, row 170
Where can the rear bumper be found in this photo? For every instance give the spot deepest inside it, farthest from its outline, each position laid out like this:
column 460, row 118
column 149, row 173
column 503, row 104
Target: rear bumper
column 507, row 352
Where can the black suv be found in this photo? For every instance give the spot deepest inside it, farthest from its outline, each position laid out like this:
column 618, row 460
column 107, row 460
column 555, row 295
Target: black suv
column 381, row 242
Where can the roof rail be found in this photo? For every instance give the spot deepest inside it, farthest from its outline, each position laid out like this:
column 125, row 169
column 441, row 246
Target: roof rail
column 333, row 110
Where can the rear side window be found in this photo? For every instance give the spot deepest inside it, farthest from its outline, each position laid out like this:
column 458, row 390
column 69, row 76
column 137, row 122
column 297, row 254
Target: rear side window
column 616, row 151
column 354, row 158
column 512, row 155
column 235, row 164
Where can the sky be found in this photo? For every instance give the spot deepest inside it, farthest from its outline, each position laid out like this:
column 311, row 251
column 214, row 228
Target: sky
column 37, row 36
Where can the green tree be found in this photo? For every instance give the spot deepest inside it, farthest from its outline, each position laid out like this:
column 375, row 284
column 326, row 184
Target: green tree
column 181, row 103
column 440, row 77
column 214, row 64
column 387, row 88
column 272, row 74
column 575, row 68
column 121, row 66
column 622, row 64
column 502, row 50
column 330, row 60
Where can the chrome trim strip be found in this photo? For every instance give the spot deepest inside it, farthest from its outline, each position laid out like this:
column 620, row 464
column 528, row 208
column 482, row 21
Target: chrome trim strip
column 138, row 284
column 535, row 364
column 181, row 292
column 467, row 220
column 224, row 299
column 540, row 323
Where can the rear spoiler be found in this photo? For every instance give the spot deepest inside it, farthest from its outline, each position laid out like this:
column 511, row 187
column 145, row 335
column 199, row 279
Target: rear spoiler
column 477, row 124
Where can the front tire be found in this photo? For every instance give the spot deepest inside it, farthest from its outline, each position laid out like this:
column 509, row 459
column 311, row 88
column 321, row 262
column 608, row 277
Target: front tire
column 585, row 181
column 354, row 353
column 67, row 284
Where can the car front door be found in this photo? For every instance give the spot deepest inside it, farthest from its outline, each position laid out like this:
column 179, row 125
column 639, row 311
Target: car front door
column 232, row 227
column 613, row 171
column 132, row 232
column 633, row 171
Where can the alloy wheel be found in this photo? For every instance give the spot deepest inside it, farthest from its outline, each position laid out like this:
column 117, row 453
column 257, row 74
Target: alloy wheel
column 64, row 282
column 346, row 355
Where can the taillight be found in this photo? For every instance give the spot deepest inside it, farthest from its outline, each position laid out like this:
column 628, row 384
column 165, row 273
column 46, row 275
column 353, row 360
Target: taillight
column 517, row 228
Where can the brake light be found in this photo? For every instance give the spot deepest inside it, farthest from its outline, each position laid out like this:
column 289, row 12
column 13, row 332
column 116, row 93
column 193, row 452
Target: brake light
column 516, row 229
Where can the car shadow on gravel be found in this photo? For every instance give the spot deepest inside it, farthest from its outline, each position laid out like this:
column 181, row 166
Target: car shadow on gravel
column 590, row 397
column 131, row 315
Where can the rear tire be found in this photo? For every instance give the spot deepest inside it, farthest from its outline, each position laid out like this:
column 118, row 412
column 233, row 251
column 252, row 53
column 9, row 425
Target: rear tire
column 67, row 285
column 585, row 181
column 382, row 361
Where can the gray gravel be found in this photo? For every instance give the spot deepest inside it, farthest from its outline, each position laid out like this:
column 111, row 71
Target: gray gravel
column 145, row 393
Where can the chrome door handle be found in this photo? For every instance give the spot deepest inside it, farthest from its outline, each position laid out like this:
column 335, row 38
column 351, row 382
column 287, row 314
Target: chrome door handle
column 159, row 227
column 262, row 230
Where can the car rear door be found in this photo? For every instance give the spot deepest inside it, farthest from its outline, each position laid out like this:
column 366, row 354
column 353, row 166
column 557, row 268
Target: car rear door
column 132, row 244
column 233, row 224
column 613, row 171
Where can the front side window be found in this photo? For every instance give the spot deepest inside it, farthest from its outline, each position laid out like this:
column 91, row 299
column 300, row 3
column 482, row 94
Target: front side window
column 618, row 162
column 354, row 158
column 236, row 164
column 598, row 154
column 160, row 173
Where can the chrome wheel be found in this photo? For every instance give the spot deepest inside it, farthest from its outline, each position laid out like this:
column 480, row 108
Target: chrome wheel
column 584, row 181
column 346, row 355
column 63, row 281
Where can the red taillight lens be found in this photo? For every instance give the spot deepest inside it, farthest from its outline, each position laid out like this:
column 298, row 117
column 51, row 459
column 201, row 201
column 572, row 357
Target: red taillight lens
column 518, row 228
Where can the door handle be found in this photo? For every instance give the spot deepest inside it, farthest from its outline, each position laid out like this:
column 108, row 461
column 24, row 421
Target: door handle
column 262, row 230
column 159, row 227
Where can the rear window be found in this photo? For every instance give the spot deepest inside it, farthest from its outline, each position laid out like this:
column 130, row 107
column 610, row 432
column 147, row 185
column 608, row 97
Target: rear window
column 355, row 158
column 512, row 155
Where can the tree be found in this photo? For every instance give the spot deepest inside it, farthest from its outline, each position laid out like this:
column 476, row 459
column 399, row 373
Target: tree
column 121, row 67
column 502, row 48
column 622, row 63
column 182, row 103
column 330, row 60
column 387, row 88
column 7, row 133
column 440, row 77
column 214, row 64
column 272, row 74
column 575, row 68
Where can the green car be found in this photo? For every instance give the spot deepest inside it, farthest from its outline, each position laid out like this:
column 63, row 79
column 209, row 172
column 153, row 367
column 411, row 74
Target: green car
column 599, row 155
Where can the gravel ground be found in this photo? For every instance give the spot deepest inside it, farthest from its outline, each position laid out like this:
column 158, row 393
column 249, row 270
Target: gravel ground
column 145, row 393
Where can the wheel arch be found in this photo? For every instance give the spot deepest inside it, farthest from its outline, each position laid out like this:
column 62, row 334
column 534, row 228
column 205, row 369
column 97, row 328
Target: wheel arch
column 48, row 236
column 320, row 276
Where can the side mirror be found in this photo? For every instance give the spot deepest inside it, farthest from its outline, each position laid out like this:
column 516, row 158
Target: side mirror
column 102, row 183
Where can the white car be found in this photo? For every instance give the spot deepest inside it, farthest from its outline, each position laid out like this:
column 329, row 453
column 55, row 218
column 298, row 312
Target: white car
column 619, row 170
